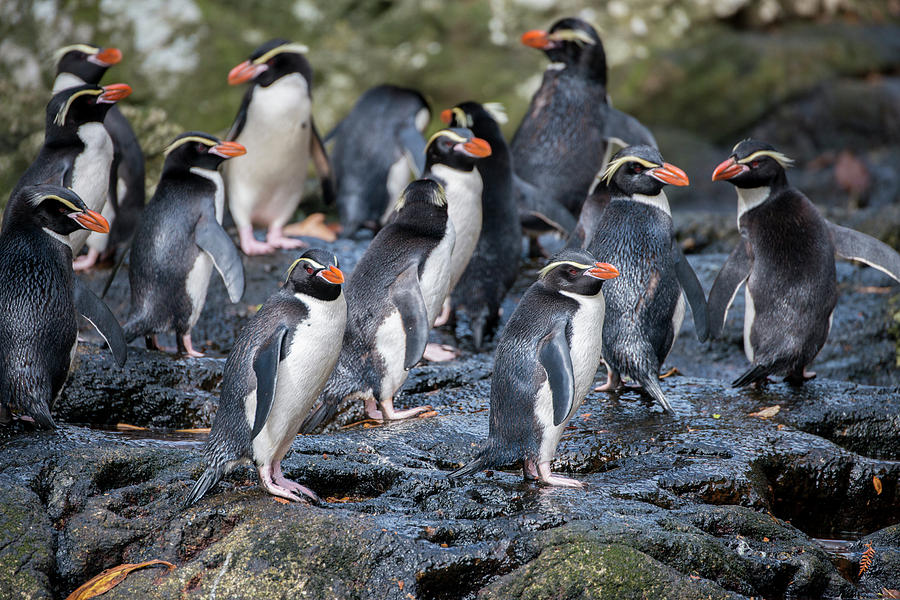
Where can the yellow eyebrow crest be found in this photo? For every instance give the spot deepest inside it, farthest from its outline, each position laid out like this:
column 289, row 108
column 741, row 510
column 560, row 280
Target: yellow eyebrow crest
column 462, row 117
column 616, row 164
column 60, row 118
column 572, row 35
column 296, row 48
column 38, row 199
column 553, row 265
column 447, row 133
column 439, row 200
column 185, row 140
column 74, row 48
column 297, row 262
column 780, row 158
column 497, row 112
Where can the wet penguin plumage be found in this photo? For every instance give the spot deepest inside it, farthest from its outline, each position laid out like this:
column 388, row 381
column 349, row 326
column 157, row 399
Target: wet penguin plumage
column 40, row 297
column 564, row 136
column 786, row 259
column 393, row 295
column 85, row 63
column 376, row 147
column 77, row 152
column 180, row 239
column 494, row 265
column 644, row 307
column 273, row 375
column 275, row 124
column 544, row 365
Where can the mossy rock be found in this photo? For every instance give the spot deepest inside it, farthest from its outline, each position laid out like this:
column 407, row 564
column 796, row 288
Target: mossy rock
column 27, row 552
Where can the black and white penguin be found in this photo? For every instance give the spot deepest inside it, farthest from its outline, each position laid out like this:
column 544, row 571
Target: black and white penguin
column 278, row 365
column 494, row 264
column 565, row 136
column 393, row 296
column 77, row 65
column 544, row 365
column 786, row 258
column 77, row 151
column 275, row 124
column 376, row 147
column 645, row 306
column 40, row 297
column 179, row 240
column 450, row 158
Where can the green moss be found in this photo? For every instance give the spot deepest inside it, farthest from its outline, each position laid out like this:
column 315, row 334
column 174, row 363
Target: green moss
column 27, row 550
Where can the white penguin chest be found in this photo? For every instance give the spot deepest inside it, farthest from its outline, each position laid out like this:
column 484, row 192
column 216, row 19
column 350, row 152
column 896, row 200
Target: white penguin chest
column 90, row 171
column 436, row 273
column 463, row 189
column 302, row 373
column 197, row 281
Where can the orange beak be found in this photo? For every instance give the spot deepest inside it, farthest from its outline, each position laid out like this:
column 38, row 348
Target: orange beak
column 228, row 149
column 669, row 173
column 728, row 169
column 602, row 271
column 446, row 116
column 108, row 56
column 536, row 38
column 332, row 275
column 115, row 92
column 244, row 72
column 92, row 220
column 477, row 147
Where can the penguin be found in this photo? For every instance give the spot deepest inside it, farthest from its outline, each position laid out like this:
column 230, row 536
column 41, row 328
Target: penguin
column 41, row 296
column 544, row 365
column 494, row 264
column 375, row 148
column 77, row 152
column 77, row 65
column 786, row 258
column 278, row 365
column 569, row 130
column 179, row 240
column 450, row 158
column 644, row 307
column 275, row 124
column 393, row 295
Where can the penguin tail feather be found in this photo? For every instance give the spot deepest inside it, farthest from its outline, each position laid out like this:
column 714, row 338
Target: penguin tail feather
column 41, row 416
column 492, row 455
column 478, row 464
column 323, row 413
column 754, row 374
column 208, row 479
column 651, row 385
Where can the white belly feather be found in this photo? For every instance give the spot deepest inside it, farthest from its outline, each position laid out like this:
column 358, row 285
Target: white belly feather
column 464, row 206
column 749, row 317
column 90, row 174
column 197, row 281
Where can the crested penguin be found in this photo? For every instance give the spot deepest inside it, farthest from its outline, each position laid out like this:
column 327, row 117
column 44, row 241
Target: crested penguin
column 279, row 363
column 645, row 306
column 545, row 362
column 179, row 240
column 40, row 297
column 376, row 147
column 786, row 258
column 494, row 264
column 393, row 295
column 77, row 152
column 568, row 131
column 275, row 124
column 77, row 65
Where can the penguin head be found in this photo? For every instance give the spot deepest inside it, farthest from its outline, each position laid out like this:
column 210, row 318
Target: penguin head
column 575, row 271
column 641, row 170
column 467, row 114
column 315, row 274
column 201, row 150
column 574, row 43
column 272, row 61
column 53, row 207
column 753, row 164
column 71, row 108
column 457, row 148
column 86, row 61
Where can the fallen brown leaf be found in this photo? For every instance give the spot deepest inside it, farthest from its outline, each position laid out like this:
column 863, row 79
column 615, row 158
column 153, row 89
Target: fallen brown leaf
column 194, row 430
column 127, row 427
column 400, row 585
column 110, row 578
column 670, row 373
column 313, row 226
column 873, row 289
column 877, row 483
column 890, row 593
column 281, row 500
column 767, row 413
column 427, row 414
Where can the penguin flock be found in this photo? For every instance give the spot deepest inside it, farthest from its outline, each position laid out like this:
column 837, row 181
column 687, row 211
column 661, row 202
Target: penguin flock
column 446, row 216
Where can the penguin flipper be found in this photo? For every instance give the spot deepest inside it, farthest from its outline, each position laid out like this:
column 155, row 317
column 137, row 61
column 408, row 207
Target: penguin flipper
column 854, row 245
column 212, row 239
column 414, row 147
column 97, row 312
column 555, row 358
column 265, row 365
column 693, row 290
column 407, row 297
column 620, row 127
column 538, row 212
column 241, row 119
column 733, row 273
column 322, row 164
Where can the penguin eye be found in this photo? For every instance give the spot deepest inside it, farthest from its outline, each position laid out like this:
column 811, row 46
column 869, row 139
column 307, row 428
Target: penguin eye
column 754, row 164
column 61, row 209
column 573, row 271
column 638, row 169
column 309, row 270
